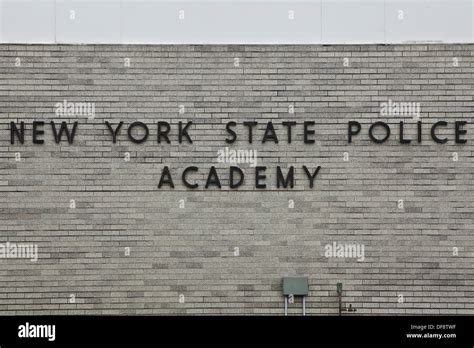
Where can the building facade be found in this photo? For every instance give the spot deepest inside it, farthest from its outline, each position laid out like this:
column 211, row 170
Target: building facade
column 392, row 221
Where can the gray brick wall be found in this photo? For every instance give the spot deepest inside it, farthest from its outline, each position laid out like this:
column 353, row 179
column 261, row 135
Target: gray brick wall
column 190, row 251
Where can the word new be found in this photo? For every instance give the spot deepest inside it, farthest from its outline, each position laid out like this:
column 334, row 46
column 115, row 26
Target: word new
column 37, row 132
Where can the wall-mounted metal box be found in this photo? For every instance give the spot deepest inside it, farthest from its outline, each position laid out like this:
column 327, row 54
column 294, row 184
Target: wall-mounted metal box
column 296, row 286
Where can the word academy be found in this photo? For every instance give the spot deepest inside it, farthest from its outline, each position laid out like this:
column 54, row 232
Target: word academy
column 234, row 177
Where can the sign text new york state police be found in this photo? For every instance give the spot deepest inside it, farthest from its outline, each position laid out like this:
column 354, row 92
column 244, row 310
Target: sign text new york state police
column 251, row 132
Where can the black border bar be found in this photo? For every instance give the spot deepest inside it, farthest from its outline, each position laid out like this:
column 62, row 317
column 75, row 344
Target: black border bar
column 242, row 330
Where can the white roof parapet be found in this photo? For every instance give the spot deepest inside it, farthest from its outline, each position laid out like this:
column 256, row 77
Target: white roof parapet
column 236, row 22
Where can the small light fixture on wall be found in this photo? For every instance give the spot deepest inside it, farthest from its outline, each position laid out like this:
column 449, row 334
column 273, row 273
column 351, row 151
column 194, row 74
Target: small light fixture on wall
column 339, row 296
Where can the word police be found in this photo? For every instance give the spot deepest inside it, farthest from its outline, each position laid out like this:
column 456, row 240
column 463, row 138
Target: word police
column 440, row 132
